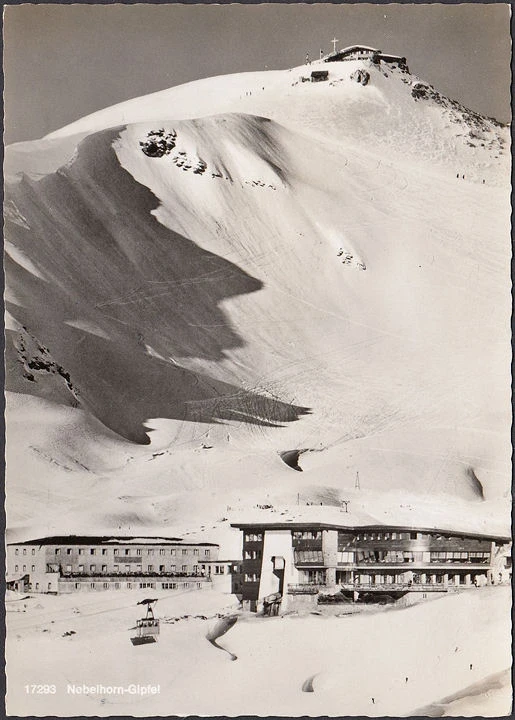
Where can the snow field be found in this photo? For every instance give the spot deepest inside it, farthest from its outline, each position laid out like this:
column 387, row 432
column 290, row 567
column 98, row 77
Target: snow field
column 353, row 659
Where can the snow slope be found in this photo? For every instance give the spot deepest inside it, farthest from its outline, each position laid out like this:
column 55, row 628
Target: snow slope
column 359, row 663
column 303, row 269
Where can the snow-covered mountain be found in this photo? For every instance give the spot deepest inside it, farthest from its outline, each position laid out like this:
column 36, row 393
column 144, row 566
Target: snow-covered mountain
column 203, row 278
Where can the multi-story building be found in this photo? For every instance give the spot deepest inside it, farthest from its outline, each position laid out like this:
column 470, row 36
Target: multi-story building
column 295, row 559
column 64, row 564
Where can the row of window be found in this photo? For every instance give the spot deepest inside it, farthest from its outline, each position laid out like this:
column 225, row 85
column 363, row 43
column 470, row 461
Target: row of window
column 126, row 551
column 252, row 555
column 345, row 557
column 391, row 556
column 24, row 552
column 317, row 535
column 311, row 556
column 16, row 568
column 253, row 537
column 315, row 576
column 142, row 585
column 411, row 535
column 129, row 568
column 251, row 577
column 428, row 580
column 388, row 536
column 307, row 534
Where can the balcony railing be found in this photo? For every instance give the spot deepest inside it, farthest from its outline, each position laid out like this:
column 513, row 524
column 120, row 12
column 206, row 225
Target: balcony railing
column 399, row 587
column 312, row 589
column 99, row 579
column 419, row 563
column 305, row 589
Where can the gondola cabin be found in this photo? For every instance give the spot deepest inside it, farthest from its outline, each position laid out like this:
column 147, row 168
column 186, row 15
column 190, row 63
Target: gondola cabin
column 147, row 628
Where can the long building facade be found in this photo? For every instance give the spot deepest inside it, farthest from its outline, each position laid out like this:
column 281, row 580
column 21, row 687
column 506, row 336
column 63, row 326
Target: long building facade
column 65, row 564
column 288, row 560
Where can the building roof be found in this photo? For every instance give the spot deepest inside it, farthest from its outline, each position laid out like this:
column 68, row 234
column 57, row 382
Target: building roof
column 378, row 509
column 356, row 47
column 317, row 525
column 111, row 540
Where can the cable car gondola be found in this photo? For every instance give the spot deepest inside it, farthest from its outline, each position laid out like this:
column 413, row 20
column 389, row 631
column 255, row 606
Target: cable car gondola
column 147, row 628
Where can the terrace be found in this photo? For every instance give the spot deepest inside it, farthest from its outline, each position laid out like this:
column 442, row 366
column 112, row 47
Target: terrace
column 314, row 589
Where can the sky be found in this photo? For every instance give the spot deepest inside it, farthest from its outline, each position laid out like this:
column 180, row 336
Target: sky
column 62, row 62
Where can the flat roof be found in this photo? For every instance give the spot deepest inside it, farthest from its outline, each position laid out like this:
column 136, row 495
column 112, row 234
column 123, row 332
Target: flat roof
column 316, row 525
column 111, row 540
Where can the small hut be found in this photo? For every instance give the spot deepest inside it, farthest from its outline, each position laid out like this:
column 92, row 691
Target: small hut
column 319, row 75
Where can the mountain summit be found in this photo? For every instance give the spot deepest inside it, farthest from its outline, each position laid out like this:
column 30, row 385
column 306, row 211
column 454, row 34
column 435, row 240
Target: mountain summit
column 368, row 97
column 314, row 259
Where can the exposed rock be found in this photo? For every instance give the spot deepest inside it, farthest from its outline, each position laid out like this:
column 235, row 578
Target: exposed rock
column 158, row 143
column 361, row 76
column 36, row 359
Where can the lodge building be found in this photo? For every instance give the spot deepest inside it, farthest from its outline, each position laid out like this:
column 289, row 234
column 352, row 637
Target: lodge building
column 362, row 52
column 65, row 564
column 289, row 560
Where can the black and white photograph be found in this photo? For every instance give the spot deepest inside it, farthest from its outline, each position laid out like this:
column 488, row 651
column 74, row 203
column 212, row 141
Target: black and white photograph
column 258, row 298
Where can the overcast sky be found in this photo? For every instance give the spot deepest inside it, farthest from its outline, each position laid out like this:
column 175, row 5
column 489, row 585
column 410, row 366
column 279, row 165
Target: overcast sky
column 62, row 62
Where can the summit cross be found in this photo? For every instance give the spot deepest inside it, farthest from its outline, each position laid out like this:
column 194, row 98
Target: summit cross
column 334, row 41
